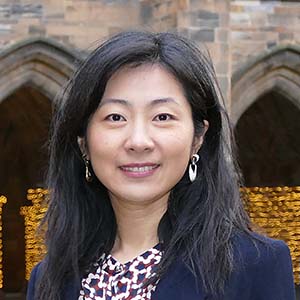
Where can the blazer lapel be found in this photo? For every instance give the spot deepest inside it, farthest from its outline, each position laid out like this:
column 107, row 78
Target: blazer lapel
column 179, row 284
column 71, row 290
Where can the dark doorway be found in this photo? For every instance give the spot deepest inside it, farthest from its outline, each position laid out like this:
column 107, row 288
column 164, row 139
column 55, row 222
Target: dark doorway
column 25, row 117
column 269, row 141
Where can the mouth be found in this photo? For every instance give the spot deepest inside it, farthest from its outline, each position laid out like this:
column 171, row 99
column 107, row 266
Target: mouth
column 139, row 170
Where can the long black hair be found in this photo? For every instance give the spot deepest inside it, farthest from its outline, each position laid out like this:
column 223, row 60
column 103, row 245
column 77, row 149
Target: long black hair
column 201, row 217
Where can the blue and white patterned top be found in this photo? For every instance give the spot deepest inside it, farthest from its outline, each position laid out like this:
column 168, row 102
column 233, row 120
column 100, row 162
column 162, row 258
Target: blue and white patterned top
column 113, row 280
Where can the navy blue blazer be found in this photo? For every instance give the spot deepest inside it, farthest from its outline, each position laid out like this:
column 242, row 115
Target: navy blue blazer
column 264, row 276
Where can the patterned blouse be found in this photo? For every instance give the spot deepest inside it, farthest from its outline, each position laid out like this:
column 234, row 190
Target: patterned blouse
column 113, row 280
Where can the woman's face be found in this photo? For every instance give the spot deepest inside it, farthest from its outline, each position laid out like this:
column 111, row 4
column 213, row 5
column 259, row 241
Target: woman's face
column 140, row 138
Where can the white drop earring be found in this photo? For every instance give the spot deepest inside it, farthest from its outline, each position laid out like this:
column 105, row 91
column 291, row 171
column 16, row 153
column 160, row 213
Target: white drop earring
column 88, row 175
column 193, row 167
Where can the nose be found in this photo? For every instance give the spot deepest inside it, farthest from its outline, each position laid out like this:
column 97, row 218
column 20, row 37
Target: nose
column 139, row 138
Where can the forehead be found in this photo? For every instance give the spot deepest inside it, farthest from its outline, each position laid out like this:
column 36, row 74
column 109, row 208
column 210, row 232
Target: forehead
column 143, row 83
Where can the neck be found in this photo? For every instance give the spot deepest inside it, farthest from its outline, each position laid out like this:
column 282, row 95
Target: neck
column 137, row 226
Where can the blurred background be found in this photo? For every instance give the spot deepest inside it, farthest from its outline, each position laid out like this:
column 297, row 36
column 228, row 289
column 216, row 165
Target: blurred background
column 255, row 47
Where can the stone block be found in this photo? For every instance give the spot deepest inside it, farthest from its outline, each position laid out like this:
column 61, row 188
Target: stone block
column 239, row 18
column 5, row 28
column 239, row 35
column 5, row 12
column 222, row 67
column 146, row 12
column 199, row 19
column 297, row 38
column 282, row 20
column 209, row 24
column 202, row 35
column 169, row 19
column 64, row 39
column 224, row 83
column 219, row 51
column 247, row 49
column 59, row 15
column 236, row 8
column 40, row 30
column 165, row 8
column 259, row 19
column 221, row 6
column 224, row 47
column 183, row 19
column 286, row 36
column 183, row 31
column 221, row 35
column 271, row 44
column 224, row 19
column 268, row 28
column 32, row 10
column 250, row 35
column 260, row 7
column 287, row 10
column 207, row 15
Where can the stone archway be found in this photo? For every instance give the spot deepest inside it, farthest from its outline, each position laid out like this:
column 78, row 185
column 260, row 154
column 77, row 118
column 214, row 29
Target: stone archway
column 265, row 110
column 40, row 63
column 268, row 142
column 31, row 74
column 277, row 70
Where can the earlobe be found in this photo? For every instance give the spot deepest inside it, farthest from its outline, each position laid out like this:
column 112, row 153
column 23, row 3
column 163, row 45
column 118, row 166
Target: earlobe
column 197, row 144
column 82, row 146
column 198, row 141
column 206, row 126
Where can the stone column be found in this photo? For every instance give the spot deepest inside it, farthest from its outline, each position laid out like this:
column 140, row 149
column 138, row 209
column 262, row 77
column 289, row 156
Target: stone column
column 207, row 21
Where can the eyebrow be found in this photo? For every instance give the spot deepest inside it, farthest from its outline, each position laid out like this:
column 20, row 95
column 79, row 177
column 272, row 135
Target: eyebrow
column 127, row 103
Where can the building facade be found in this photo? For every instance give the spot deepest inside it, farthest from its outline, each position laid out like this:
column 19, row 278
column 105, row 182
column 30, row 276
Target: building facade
column 255, row 48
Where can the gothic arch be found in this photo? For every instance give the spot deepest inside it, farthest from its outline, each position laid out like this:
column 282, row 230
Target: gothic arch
column 32, row 72
column 40, row 63
column 277, row 70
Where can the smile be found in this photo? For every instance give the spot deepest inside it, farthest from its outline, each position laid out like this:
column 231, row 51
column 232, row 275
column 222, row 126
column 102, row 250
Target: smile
column 139, row 171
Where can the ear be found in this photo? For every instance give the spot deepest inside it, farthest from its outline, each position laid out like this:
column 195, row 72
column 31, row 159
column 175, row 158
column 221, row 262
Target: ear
column 82, row 146
column 198, row 140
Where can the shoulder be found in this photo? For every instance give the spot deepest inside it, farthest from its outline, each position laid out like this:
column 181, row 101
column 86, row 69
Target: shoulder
column 263, row 268
column 69, row 289
column 32, row 281
column 254, row 248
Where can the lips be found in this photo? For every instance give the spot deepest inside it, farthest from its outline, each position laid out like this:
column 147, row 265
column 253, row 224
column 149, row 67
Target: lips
column 145, row 164
column 139, row 169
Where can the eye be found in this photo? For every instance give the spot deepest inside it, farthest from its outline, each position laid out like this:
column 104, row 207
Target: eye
column 163, row 117
column 115, row 118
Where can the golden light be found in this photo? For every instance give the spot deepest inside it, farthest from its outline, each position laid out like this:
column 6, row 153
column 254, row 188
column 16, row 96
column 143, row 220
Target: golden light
column 276, row 210
column 3, row 200
column 34, row 245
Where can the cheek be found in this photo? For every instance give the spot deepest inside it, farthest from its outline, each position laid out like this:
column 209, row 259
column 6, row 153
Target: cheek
column 101, row 146
column 178, row 148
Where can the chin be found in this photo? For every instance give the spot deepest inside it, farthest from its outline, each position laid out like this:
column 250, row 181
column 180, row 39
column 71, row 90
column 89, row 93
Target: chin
column 138, row 195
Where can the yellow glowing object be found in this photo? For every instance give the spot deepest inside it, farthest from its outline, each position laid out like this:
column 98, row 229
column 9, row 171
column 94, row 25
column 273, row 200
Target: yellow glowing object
column 34, row 243
column 3, row 200
column 276, row 210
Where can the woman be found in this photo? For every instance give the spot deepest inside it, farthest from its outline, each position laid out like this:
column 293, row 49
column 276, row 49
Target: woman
column 145, row 200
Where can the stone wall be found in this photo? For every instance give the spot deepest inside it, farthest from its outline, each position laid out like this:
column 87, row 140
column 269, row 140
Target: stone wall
column 208, row 22
column 79, row 23
column 234, row 31
column 260, row 26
